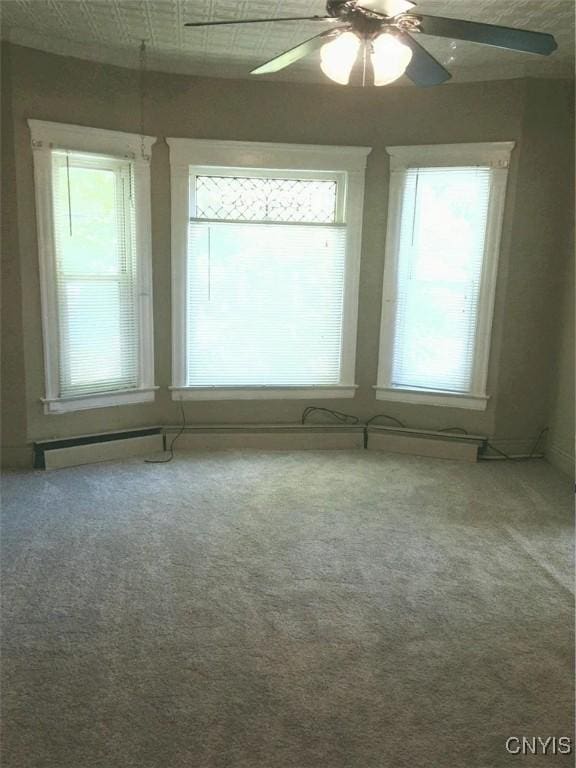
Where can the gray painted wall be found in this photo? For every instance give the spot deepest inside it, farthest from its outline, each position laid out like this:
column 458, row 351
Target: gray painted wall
column 560, row 442
column 535, row 114
column 14, row 449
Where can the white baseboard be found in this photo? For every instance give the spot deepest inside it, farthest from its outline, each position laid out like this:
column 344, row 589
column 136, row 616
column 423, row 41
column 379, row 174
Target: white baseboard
column 92, row 453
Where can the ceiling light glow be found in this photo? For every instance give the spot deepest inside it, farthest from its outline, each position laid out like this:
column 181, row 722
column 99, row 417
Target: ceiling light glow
column 389, row 59
column 338, row 56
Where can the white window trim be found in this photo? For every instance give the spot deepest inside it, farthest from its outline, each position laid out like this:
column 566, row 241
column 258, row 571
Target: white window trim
column 269, row 393
column 205, row 155
column 46, row 136
column 101, row 400
column 497, row 156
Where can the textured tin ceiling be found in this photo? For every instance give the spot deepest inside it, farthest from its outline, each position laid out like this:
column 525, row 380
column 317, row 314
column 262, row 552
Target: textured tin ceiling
column 111, row 31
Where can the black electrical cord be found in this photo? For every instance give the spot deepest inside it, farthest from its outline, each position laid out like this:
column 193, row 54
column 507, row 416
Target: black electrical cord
column 459, row 430
column 501, row 453
column 171, row 448
column 380, row 416
column 385, row 416
column 343, row 418
column 531, row 455
column 537, row 441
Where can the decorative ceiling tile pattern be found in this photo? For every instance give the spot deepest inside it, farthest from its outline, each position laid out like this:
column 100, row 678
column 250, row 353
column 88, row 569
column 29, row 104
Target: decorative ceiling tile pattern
column 111, row 30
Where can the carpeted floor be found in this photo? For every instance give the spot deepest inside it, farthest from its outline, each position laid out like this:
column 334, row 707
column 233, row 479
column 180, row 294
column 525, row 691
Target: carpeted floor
column 286, row 610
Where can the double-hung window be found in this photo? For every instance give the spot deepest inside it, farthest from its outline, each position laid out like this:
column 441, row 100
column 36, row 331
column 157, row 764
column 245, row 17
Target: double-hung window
column 265, row 269
column 444, row 224
column 92, row 199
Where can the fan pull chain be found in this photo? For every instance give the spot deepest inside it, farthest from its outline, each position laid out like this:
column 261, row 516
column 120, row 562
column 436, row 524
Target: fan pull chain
column 209, row 265
column 142, row 95
column 415, row 206
column 69, row 193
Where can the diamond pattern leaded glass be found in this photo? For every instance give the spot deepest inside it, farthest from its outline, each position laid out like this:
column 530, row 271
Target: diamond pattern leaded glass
column 250, row 198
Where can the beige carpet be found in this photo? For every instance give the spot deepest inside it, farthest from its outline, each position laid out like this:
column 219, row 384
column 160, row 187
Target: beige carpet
column 286, row 610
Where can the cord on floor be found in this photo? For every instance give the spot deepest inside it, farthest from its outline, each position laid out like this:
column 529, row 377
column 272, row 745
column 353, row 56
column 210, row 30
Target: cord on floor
column 531, row 455
column 171, row 448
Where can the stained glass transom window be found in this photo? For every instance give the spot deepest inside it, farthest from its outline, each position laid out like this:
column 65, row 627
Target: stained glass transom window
column 249, row 198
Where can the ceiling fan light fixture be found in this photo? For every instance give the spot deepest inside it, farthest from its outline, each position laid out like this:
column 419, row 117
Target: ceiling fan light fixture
column 389, row 58
column 383, row 28
column 338, row 56
column 388, row 7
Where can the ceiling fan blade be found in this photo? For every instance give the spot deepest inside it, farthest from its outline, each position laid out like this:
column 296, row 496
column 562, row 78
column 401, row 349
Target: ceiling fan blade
column 387, row 7
column 257, row 21
column 489, row 34
column 295, row 54
column 423, row 69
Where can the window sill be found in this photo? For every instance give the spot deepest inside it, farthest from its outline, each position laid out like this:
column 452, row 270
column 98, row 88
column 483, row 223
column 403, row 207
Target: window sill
column 102, row 400
column 431, row 397
column 263, row 393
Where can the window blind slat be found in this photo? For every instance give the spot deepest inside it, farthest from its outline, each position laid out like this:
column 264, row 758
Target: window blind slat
column 97, row 301
column 439, row 270
column 264, row 304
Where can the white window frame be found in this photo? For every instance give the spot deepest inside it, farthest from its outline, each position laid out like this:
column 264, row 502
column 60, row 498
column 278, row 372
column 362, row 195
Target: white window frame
column 201, row 156
column 496, row 155
column 46, row 136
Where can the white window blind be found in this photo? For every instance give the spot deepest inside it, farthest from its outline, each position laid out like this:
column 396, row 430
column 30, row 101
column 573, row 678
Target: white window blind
column 438, row 275
column 265, row 283
column 96, row 288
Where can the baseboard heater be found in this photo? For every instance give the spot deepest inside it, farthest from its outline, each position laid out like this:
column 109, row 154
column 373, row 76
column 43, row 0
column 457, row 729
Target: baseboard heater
column 421, row 442
column 272, row 437
column 90, row 449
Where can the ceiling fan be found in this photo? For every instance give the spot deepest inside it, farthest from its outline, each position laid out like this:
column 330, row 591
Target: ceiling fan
column 384, row 30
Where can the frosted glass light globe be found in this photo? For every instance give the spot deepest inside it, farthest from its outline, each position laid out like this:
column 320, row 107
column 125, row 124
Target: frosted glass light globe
column 338, row 56
column 389, row 59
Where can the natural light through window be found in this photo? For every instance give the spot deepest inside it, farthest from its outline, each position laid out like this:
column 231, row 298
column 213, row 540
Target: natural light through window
column 96, row 274
column 440, row 271
column 258, row 198
column 266, row 260
column 265, row 299
column 93, row 214
column 442, row 236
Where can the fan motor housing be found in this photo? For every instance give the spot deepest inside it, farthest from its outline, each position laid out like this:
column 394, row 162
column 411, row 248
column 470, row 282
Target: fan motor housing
column 336, row 7
column 362, row 21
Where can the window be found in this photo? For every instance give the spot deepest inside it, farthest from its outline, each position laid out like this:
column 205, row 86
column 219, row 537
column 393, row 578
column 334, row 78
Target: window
column 444, row 224
column 92, row 199
column 265, row 258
